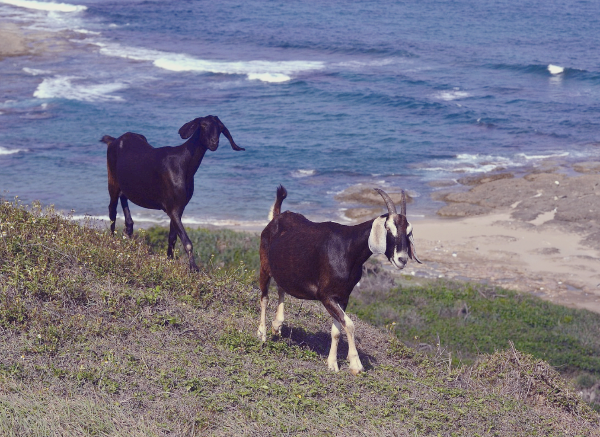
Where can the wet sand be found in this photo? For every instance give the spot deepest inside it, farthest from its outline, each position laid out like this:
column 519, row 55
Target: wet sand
column 539, row 234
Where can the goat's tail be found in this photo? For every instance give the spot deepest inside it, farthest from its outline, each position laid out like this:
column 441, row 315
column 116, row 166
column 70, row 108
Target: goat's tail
column 276, row 208
column 107, row 139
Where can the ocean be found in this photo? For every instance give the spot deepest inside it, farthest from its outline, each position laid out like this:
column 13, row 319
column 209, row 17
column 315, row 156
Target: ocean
column 324, row 95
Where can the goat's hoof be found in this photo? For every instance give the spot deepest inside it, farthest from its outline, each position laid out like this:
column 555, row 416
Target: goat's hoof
column 333, row 366
column 261, row 335
column 357, row 371
column 276, row 331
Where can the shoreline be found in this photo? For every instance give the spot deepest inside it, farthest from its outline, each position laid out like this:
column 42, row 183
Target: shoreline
column 537, row 233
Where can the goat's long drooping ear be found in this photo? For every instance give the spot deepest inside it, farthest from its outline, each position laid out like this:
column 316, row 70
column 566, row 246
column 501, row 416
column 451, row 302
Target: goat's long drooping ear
column 225, row 132
column 411, row 249
column 188, row 129
column 378, row 236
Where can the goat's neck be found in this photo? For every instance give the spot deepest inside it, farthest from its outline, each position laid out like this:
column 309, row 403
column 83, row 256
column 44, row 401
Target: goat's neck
column 360, row 242
column 196, row 150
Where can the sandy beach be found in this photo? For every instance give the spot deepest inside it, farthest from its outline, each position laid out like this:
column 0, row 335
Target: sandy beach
column 538, row 233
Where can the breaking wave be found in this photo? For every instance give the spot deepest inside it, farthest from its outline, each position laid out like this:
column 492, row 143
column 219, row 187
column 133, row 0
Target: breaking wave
column 62, row 87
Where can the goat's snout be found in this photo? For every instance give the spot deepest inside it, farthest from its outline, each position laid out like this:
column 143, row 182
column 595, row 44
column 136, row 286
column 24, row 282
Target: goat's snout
column 213, row 144
column 399, row 260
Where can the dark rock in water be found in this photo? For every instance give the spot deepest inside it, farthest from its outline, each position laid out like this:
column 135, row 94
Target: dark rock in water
column 484, row 178
column 587, row 167
column 366, row 195
column 442, row 183
column 363, row 213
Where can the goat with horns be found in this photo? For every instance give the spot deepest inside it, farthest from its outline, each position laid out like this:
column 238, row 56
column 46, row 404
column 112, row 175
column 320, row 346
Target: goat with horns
column 160, row 178
column 323, row 261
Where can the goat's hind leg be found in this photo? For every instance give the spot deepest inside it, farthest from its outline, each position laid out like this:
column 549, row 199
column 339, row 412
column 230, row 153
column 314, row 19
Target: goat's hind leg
column 113, row 192
column 279, row 317
column 264, row 280
column 112, row 212
column 127, row 214
column 172, row 239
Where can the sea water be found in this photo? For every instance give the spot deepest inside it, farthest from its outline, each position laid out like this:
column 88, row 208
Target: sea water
column 324, row 95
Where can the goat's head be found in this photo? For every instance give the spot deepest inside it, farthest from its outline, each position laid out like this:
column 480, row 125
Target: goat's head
column 209, row 127
column 391, row 234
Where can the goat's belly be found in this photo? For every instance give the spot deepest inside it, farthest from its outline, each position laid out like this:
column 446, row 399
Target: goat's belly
column 144, row 203
column 299, row 291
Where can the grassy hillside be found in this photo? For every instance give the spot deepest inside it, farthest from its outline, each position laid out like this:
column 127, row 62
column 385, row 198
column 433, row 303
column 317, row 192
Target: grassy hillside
column 101, row 336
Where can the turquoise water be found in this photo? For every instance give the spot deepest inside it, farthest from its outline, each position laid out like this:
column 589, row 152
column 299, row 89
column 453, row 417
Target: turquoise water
column 323, row 96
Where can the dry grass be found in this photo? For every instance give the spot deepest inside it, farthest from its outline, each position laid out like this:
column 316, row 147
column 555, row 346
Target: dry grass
column 100, row 337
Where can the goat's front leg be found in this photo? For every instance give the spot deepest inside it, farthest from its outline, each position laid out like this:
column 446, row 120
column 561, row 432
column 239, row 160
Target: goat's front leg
column 336, row 331
column 264, row 280
column 276, row 326
column 355, row 365
column 185, row 240
column 341, row 319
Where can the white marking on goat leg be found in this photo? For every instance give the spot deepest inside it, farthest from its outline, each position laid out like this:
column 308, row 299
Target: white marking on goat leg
column 276, row 326
column 355, row 365
column 336, row 331
column 262, row 327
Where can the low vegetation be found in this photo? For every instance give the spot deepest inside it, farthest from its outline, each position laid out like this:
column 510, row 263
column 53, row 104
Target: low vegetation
column 101, row 335
column 469, row 319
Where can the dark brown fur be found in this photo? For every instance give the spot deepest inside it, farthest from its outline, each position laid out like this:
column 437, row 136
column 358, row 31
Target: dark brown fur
column 160, row 178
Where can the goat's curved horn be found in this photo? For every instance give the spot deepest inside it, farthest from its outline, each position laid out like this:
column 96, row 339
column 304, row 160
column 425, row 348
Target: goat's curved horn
column 225, row 132
column 388, row 202
column 403, row 204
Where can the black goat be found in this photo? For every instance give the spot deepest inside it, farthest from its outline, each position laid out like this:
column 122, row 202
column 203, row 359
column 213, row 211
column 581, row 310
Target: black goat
column 323, row 261
column 161, row 178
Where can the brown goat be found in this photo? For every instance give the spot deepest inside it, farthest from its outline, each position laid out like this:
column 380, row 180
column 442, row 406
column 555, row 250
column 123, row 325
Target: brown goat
column 323, row 261
column 160, row 178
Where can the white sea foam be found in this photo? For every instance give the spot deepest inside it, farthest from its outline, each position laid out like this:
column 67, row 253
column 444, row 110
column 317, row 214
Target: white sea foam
column 5, row 151
column 269, row 77
column 452, row 95
column 475, row 163
column 45, row 6
column 555, row 69
column 62, row 87
column 300, row 173
column 266, row 71
column 474, row 158
column 540, row 157
column 190, row 221
column 86, row 32
column 35, row 71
